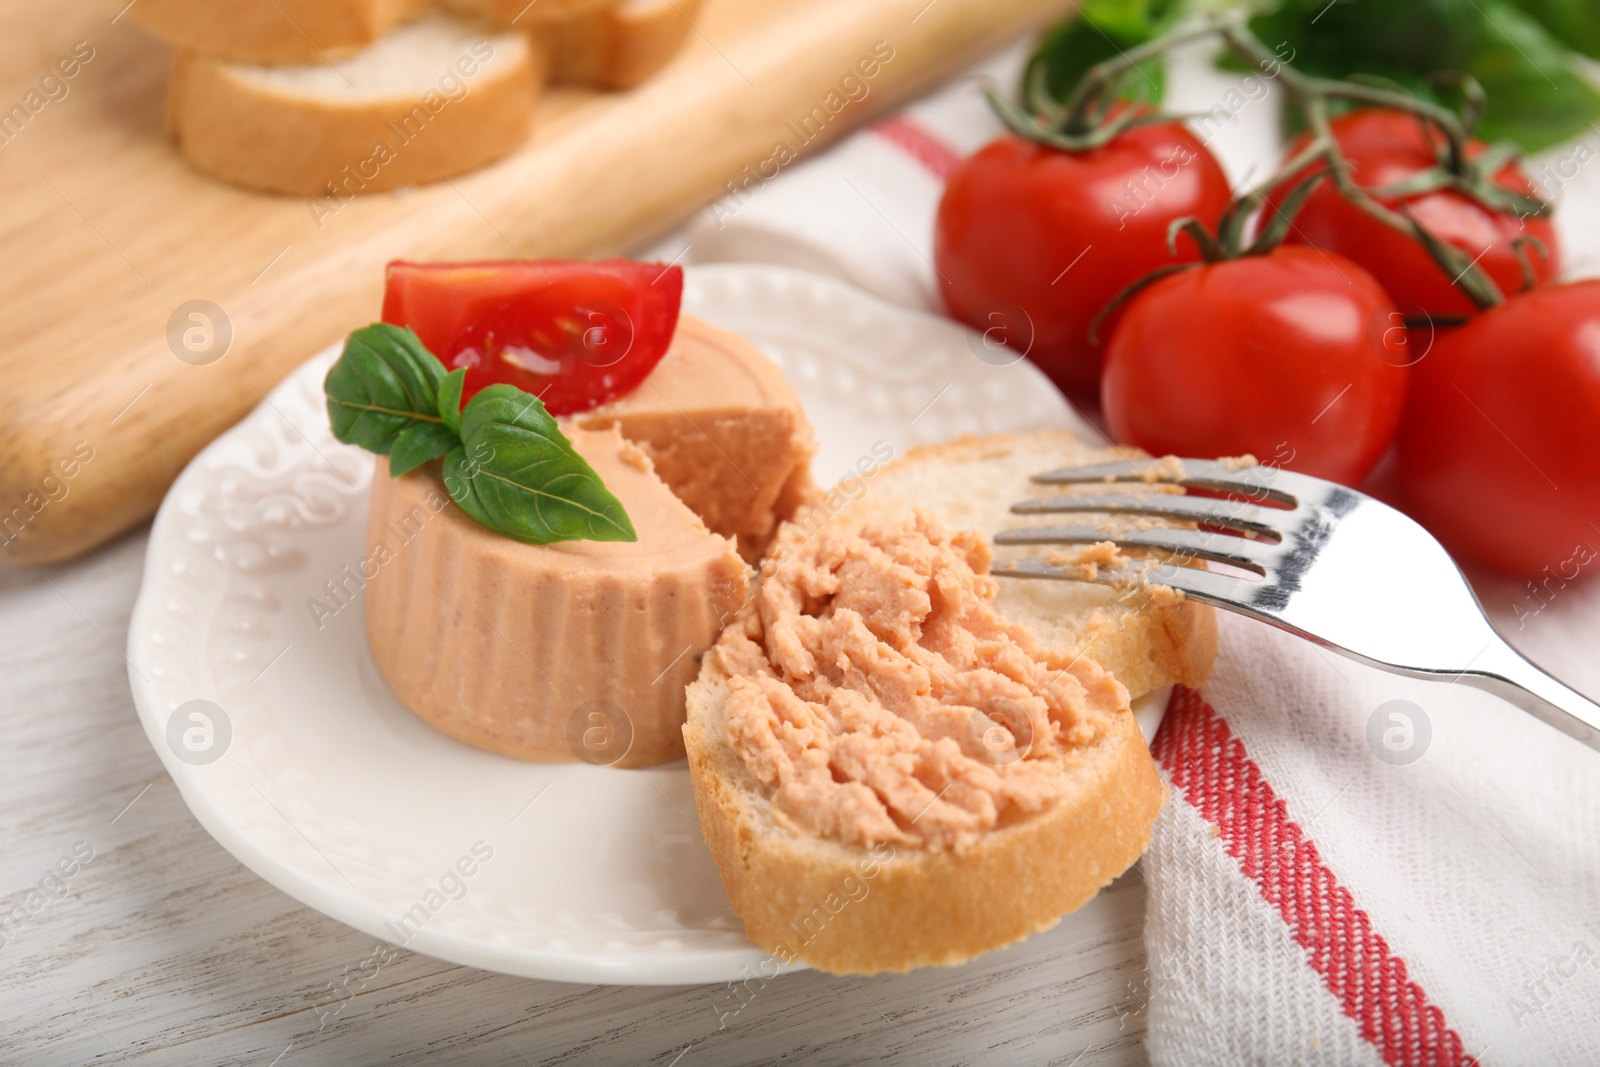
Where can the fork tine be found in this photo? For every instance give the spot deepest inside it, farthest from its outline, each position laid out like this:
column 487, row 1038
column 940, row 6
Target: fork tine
column 1225, row 514
column 1256, row 482
column 1208, row 587
column 1332, row 578
column 1255, row 556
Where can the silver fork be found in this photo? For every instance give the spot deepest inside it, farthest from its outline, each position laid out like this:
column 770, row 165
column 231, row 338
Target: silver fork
column 1332, row 565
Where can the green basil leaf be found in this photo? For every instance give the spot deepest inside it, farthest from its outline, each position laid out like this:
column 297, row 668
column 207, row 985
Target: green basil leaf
column 524, row 479
column 459, row 474
column 419, row 443
column 384, row 383
column 1575, row 23
column 1102, row 30
column 1536, row 95
column 1399, row 39
column 450, row 398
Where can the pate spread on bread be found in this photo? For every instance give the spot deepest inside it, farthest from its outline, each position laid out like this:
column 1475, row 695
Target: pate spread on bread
column 891, row 774
column 1146, row 639
column 876, row 691
column 901, row 761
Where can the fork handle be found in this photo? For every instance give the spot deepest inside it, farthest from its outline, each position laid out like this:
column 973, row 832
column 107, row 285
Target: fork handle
column 1508, row 674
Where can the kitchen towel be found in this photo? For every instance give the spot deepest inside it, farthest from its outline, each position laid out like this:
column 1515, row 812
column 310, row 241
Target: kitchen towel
column 1351, row 868
column 1355, row 868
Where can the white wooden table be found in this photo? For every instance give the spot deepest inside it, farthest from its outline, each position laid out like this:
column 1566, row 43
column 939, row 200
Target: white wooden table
column 163, row 949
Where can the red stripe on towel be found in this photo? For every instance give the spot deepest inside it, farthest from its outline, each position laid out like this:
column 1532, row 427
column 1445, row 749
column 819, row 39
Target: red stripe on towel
column 921, row 144
column 1219, row 778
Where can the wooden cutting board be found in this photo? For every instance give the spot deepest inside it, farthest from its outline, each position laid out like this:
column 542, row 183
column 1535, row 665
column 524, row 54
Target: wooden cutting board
column 105, row 234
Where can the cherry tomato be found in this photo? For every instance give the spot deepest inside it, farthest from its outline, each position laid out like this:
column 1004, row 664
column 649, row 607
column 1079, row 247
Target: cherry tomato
column 1498, row 453
column 1385, row 147
column 574, row 333
column 1291, row 356
column 1032, row 241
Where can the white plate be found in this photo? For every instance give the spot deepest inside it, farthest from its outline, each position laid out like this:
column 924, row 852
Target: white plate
column 322, row 783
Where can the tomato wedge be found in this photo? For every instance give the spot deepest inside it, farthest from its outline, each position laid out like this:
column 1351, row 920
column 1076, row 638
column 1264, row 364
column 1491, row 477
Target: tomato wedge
column 575, row 333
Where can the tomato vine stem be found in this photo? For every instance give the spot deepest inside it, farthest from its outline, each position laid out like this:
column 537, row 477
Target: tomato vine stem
column 1089, row 118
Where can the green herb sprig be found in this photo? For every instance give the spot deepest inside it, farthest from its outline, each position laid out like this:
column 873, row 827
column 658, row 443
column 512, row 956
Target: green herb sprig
column 1529, row 56
column 390, row 395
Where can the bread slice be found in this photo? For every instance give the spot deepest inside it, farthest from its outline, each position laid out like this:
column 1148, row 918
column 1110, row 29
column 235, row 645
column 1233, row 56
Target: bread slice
column 854, row 910
column 620, row 46
column 814, row 882
column 273, row 31
column 434, row 98
column 526, row 14
column 1146, row 641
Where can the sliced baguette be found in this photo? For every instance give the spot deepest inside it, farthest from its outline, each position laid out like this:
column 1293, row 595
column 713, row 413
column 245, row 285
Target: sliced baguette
column 273, row 31
column 850, row 910
column 434, row 98
column 853, row 671
column 528, row 13
column 1146, row 641
column 620, row 46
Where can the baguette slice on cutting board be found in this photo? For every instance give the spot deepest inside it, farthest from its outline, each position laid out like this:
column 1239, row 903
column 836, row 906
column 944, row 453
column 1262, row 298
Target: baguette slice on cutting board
column 527, row 13
column 839, row 734
column 970, row 483
column 101, row 374
column 434, row 98
column 273, row 31
column 620, row 46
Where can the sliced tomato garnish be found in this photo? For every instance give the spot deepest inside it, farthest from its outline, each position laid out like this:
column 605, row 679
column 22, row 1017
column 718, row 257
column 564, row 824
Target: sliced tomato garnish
column 575, row 333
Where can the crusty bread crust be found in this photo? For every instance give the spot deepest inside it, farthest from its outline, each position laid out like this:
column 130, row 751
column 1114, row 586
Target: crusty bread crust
column 852, row 910
column 619, row 47
column 231, row 123
column 272, row 31
column 528, row 13
column 243, row 129
column 1147, row 643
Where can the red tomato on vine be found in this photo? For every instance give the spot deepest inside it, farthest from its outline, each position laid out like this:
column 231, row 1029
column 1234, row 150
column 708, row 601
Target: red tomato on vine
column 1291, row 355
column 1499, row 452
column 1033, row 239
column 1386, row 147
